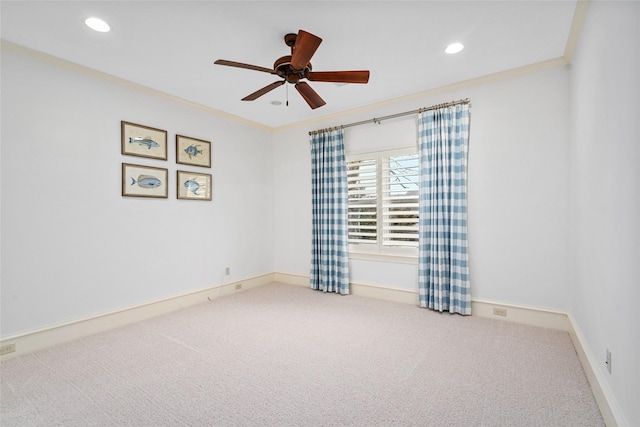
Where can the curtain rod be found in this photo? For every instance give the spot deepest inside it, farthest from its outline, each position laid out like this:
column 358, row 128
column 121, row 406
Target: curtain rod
column 377, row 120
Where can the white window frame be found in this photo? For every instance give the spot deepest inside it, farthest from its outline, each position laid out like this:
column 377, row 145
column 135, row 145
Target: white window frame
column 378, row 250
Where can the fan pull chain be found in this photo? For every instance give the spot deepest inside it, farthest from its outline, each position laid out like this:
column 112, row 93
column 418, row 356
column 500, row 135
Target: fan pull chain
column 287, row 95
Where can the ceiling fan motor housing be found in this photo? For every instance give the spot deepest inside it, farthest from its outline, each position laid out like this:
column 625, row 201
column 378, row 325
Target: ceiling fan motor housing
column 283, row 68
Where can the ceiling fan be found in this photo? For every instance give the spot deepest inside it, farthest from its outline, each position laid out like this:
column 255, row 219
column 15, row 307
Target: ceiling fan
column 295, row 67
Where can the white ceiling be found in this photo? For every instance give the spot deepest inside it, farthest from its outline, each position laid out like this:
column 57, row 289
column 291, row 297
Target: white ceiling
column 170, row 46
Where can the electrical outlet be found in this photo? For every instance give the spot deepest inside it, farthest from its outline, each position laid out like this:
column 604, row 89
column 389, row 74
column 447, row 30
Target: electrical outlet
column 500, row 311
column 238, row 286
column 608, row 361
column 227, row 271
column 7, row 348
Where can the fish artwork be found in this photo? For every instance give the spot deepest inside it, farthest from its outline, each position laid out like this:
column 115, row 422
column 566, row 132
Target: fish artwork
column 192, row 185
column 146, row 181
column 149, row 143
column 192, row 151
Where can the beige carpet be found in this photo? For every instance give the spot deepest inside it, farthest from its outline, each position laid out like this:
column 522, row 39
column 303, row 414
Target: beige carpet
column 283, row 355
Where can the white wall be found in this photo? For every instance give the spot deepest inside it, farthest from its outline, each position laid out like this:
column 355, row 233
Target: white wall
column 551, row 224
column 518, row 189
column 605, row 202
column 72, row 246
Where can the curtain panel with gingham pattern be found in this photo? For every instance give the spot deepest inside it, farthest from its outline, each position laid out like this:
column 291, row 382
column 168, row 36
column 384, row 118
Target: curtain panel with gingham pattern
column 330, row 245
column 443, row 263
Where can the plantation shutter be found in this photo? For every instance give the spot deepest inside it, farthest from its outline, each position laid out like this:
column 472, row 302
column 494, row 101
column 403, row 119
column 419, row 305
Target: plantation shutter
column 363, row 200
column 400, row 192
column 383, row 202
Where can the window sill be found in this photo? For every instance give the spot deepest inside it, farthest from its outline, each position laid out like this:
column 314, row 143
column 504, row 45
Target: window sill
column 398, row 259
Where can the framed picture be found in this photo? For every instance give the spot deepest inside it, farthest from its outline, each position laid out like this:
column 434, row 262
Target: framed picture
column 192, row 151
column 144, row 181
column 194, row 186
column 143, row 141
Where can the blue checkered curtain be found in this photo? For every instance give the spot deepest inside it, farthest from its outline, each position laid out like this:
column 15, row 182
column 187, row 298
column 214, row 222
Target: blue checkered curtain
column 443, row 268
column 330, row 244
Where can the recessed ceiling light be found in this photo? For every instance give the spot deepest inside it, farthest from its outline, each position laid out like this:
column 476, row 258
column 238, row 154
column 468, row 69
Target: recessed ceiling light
column 97, row 24
column 454, row 48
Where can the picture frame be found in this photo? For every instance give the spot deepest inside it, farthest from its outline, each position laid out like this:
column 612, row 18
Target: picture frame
column 193, row 151
column 143, row 141
column 144, row 181
column 193, row 185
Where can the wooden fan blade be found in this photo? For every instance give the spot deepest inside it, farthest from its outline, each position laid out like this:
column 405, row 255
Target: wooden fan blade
column 339, row 76
column 257, row 94
column 246, row 66
column 310, row 95
column 304, row 48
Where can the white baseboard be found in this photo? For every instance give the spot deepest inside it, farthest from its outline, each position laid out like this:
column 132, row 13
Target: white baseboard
column 69, row 331
column 608, row 404
column 360, row 289
column 533, row 316
column 384, row 293
column 292, row 279
column 58, row 334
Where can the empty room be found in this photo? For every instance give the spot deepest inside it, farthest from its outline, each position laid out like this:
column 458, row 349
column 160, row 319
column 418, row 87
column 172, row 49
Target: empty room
column 320, row 213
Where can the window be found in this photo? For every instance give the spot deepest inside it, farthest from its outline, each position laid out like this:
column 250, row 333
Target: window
column 383, row 202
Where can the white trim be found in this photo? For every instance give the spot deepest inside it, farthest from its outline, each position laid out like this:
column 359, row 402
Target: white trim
column 489, row 78
column 360, row 289
column 382, row 257
column 579, row 16
column 64, row 332
column 528, row 315
column 126, row 83
column 384, row 293
column 535, row 316
column 502, row 75
column 605, row 398
column 292, row 279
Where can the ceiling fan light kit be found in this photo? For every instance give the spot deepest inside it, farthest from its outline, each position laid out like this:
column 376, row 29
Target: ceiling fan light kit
column 296, row 67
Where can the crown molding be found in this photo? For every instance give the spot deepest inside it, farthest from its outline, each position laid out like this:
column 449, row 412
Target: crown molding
column 477, row 81
column 579, row 17
column 574, row 33
column 63, row 63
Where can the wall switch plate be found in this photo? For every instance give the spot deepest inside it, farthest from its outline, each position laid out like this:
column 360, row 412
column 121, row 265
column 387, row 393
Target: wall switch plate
column 7, row 348
column 227, row 271
column 608, row 361
column 500, row 311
